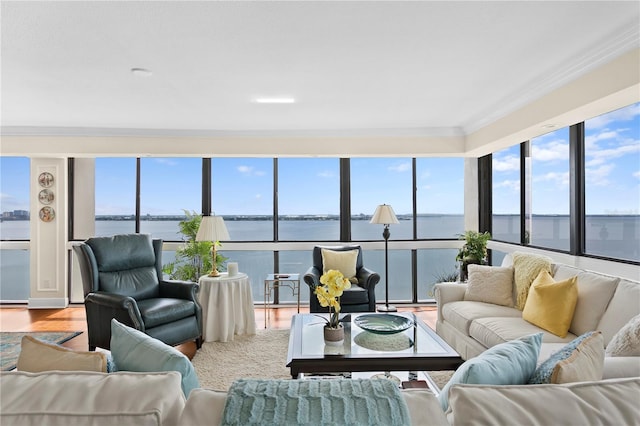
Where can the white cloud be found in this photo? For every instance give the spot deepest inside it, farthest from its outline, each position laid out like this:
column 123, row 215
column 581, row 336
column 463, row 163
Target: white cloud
column 425, row 175
column 561, row 179
column 623, row 114
column 600, row 156
column 506, row 164
column 513, row 185
column 326, row 174
column 258, row 196
column 166, row 162
column 554, row 150
column 249, row 171
column 598, row 176
column 400, row 168
column 606, row 134
column 636, row 174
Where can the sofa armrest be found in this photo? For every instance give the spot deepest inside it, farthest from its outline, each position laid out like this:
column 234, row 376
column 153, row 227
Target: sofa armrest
column 448, row 292
column 621, row 367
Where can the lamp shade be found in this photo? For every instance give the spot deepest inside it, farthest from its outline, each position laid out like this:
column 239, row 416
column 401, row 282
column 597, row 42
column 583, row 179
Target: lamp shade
column 384, row 215
column 212, row 228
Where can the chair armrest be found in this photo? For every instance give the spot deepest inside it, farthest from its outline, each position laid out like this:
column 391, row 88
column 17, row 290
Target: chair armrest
column 116, row 302
column 367, row 278
column 179, row 289
column 312, row 277
column 448, row 292
column 110, row 300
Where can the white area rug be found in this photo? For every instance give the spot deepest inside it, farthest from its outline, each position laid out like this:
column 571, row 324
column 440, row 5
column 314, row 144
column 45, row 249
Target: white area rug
column 262, row 356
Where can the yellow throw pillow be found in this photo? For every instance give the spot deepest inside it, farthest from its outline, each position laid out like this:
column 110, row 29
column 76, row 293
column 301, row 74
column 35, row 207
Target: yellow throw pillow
column 550, row 305
column 36, row 356
column 343, row 261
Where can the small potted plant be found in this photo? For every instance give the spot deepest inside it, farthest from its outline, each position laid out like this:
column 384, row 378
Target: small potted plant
column 328, row 294
column 474, row 251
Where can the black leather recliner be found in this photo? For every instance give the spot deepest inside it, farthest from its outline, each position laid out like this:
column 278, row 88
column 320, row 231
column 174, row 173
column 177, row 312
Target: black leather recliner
column 361, row 297
column 122, row 279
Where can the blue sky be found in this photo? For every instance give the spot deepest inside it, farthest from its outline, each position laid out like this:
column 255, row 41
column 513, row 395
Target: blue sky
column 612, row 162
column 311, row 185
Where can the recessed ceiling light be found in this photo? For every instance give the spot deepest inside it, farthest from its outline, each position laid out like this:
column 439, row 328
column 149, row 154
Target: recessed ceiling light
column 141, row 72
column 549, row 126
column 282, row 100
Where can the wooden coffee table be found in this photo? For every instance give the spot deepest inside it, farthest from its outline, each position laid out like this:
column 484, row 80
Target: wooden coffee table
column 418, row 348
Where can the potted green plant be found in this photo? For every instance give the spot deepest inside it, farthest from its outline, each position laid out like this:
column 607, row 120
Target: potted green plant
column 193, row 259
column 474, row 251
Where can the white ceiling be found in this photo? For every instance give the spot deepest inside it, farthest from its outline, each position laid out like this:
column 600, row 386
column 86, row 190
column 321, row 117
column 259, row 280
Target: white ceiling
column 445, row 68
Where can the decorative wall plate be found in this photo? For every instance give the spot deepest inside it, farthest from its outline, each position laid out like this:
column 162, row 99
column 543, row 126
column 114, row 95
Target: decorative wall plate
column 383, row 323
column 47, row 214
column 46, row 196
column 45, row 180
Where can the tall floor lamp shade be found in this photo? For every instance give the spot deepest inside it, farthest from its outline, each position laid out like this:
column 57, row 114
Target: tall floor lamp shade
column 212, row 228
column 384, row 215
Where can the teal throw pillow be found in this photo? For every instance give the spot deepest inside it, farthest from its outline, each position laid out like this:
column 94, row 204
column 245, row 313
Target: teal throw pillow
column 509, row 363
column 133, row 350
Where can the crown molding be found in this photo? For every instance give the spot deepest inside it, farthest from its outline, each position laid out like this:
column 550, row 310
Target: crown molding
column 620, row 42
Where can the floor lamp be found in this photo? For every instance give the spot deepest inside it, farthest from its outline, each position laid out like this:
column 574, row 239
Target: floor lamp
column 212, row 228
column 384, row 215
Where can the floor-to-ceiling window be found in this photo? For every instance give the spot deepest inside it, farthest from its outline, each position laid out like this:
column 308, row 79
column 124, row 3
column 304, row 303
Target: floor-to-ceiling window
column 612, row 184
column 376, row 181
column 548, row 189
column 440, row 214
column 14, row 228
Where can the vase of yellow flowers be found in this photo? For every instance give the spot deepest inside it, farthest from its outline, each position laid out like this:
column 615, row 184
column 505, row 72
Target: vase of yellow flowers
column 328, row 294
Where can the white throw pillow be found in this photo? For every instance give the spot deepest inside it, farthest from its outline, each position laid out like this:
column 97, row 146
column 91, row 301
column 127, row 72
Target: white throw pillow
column 343, row 261
column 490, row 284
column 626, row 342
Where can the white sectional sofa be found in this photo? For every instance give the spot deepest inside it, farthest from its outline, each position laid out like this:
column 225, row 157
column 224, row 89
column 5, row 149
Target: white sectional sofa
column 110, row 399
column 605, row 303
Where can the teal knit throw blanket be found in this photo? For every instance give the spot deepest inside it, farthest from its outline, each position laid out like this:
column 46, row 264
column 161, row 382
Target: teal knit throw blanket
column 315, row 402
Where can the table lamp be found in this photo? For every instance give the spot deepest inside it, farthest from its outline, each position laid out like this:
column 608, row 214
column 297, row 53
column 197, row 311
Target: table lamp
column 212, row 228
column 384, row 215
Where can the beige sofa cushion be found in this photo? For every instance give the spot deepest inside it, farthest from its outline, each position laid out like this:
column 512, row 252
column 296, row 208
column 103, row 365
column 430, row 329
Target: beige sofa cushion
column 492, row 331
column 461, row 314
column 594, row 294
column 205, row 407
column 606, row 402
column 36, row 355
column 490, row 284
column 68, row 398
column 624, row 305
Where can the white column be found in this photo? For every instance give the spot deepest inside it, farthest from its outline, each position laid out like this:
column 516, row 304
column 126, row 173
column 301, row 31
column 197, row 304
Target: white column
column 471, row 203
column 48, row 284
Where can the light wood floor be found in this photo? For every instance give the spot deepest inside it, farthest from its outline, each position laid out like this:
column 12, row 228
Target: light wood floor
column 73, row 318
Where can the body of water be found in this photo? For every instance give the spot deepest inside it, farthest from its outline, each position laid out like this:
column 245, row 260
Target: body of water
column 613, row 236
